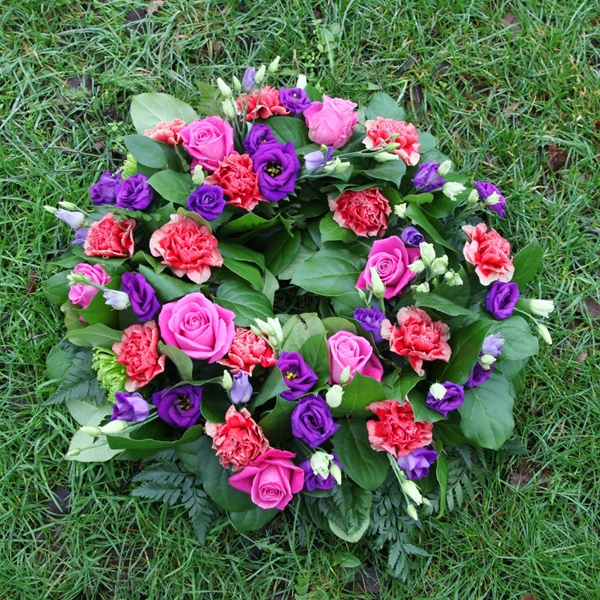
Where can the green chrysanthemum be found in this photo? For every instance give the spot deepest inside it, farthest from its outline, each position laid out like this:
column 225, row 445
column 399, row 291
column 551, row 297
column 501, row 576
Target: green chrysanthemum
column 129, row 167
column 110, row 373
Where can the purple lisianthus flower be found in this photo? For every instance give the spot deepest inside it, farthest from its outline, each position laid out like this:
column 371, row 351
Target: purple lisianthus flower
column 312, row 421
column 416, row 464
column 105, row 190
column 478, row 376
column 315, row 161
column 81, row 235
column 485, row 189
column 453, row 398
column 249, row 79
column 241, row 390
column 141, row 295
column 297, row 375
column 314, row 481
column 412, row 236
column 427, row 179
column 296, row 100
column 260, row 135
column 501, row 298
column 370, row 319
column 278, row 167
column 134, row 193
column 179, row 406
column 130, row 406
column 207, row 201
column 492, row 345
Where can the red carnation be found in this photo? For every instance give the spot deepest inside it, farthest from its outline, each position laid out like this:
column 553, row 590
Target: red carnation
column 365, row 212
column 247, row 351
column 166, row 132
column 262, row 104
column 110, row 238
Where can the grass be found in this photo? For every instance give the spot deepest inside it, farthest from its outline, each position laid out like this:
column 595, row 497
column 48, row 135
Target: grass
column 496, row 82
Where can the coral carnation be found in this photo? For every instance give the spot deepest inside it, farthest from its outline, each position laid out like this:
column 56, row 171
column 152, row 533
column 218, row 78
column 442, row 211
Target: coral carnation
column 239, row 440
column 419, row 338
column 138, row 351
column 166, row 132
column 365, row 212
column 247, row 351
column 396, row 431
column 490, row 253
column 109, row 238
column 262, row 104
column 187, row 247
column 382, row 132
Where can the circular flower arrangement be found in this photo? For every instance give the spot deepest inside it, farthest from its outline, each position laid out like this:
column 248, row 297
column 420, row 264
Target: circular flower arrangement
column 181, row 349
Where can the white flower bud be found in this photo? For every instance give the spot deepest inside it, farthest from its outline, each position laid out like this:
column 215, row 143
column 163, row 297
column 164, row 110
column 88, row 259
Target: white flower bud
column 333, row 165
column 50, row 209
column 417, row 267
column 392, row 147
column 541, row 308
column 410, row 488
column 198, row 175
column 91, row 431
column 486, row 361
column 227, row 381
column 439, row 265
column 74, row 452
column 319, row 463
column 362, row 295
column 334, row 395
column 492, row 199
column 444, row 168
column 260, row 75
column 383, row 157
column 427, row 253
column 116, row 299
column 336, row 472
column 438, row 391
column 274, row 65
column 411, row 511
column 341, row 166
column 543, row 331
column 68, row 205
column 229, row 109
column 345, row 375
column 452, row 189
column 452, row 278
column 74, row 219
column 422, row 287
column 302, row 82
column 114, row 427
column 224, row 88
column 377, row 286
column 400, row 209
column 237, row 84
column 473, row 197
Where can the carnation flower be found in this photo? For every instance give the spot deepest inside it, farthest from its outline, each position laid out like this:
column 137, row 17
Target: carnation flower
column 262, row 104
column 489, row 252
column 382, row 132
column 247, row 351
column 364, row 212
column 167, row 132
column 110, row 238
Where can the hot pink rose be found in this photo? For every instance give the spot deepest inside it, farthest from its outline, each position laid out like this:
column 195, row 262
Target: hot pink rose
column 490, row 253
column 380, row 133
column 364, row 211
column 391, row 259
column 419, row 338
column 331, row 122
column 166, row 132
column 262, row 104
column 349, row 350
column 208, row 141
column 198, row 327
column 271, row 480
column 82, row 294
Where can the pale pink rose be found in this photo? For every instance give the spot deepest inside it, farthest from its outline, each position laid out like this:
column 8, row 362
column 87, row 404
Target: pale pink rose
column 166, row 132
column 349, row 350
column 208, row 141
column 198, row 327
column 271, row 480
column 490, row 253
column 82, row 294
column 331, row 122
column 380, row 133
column 391, row 258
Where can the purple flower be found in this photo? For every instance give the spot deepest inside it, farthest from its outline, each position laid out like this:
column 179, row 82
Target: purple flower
column 485, row 189
column 478, row 376
column 134, row 193
column 501, row 298
column 259, row 136
column 207, row 201
column 241, row 390
column 105, row 191
column 370, row 319
column 412, row 236
column 416, row 464
column 130, row 406
column 249, row 79
column 278, row 167
column 297, row 375
column 294, row 99
column 427, row 178
column 81, row 235
column 314, row 481
column 312, row 421
column 179, row 406
column 453, row 398
column 492, row 345
column 141, row 295
column 315, row 161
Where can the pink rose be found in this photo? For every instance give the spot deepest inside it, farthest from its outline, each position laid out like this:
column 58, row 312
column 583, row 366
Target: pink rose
column 382, row 132
column 349, row 350
column 198, row 327
column 331, row 122
column 391, row 258
column 208, row 141
column 271, row 480
column 82, row 294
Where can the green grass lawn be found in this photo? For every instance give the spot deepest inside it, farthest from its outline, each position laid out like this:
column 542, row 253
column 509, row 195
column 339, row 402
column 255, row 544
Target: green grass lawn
column 511, row 90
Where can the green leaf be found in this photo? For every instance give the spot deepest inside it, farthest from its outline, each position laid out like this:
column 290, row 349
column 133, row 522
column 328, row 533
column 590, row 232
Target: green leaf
column 519, row 342
column 281, row 250
column 93, row 449
column 361, row 463
column 448, row 430
column 441, row 473
column 244, row 270
column 173, row 186
column 125, row 442
column 335, row 324
column 276, row 423
column 273, row 386
column 316, row 354
column 249, row 222
column 246, row 303
column 360, row 392
column 79, row 381
column 443, row 305
column 199, row 458
column 427, row 141
column 148, row 110
column 167, row 288
column 270, row 286
column 419, row 198
column 415, row 213
column 241, row 253
column 299, row 328
column 486, row 413
column 95, row 335
column 345, row 304
column 385, row 106
column 215, row 404
column 359, row 513
column 403, row 381
column 526, row 263
column 328, row 273
column 251, row 520
column 82, row 410
column 289, row 129
column 56, row 288
column 422, row 413
column 180, row 359
column 140, row 257
column 392, row 170
column 151, row 153
column 302, row 255
column 313, row 93
column 59, row 359
column 98, row 311
column 514, row 371
column 331, row 231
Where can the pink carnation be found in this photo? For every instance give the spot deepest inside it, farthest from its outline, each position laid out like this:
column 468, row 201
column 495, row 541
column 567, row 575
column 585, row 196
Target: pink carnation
column 380, row 133
column 364, row 212
column 262, row 104
column 166, row 132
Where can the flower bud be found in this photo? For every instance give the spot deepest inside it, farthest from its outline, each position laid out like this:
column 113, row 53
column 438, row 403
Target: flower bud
column 377, row 286
column 198, row 176
column 237, row 84
column 73, row 452
column 334, row 395
column 116, row 299
column 444, row 168
column 241, row 390
column 412, row 491
column 129, row 167
column 114, row 427
column 543, row 331
column 91, row 431
column 439, row 265
column 541, row 308
column 400, row 209
column 452, row 278
column 274, row 66
column 345, row 375
column 302, row 81
column 50, row 209
column 492, row 199
column 76, row 220
column 427, row 253
column 68, row 205
column 319, row 463
column 226, row 381
column 260, row 74
column 417, row 267
column 224, row 88
column 422, row 287
column 473, row 197
column 341, row 166
column 229, row 110
column 486, row 361
column 336, row 473
column 452, row 188
column 392, row 147
column 383, row 157
column 75, row 278
column 438, row 391
column 411, row 511
column 249, row 79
